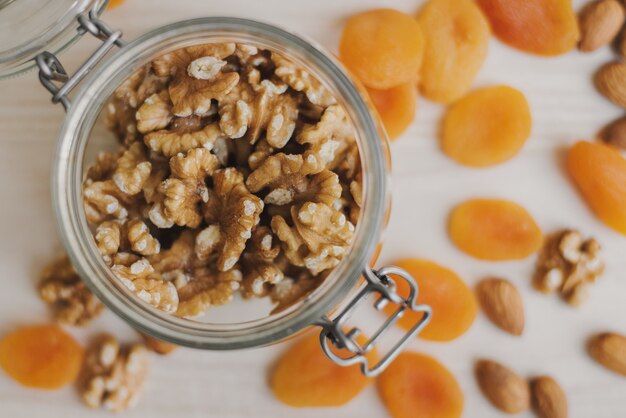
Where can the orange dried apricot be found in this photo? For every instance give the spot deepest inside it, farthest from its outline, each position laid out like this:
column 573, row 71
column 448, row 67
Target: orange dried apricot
column 41, row 356
column 453, row 303
column 382, row 47
column 417, row 385
column 114, row 3
column 396, row 107
column 457, row 39
column 542, row 27
column 486, row 127
column 304, row 376
column 494, row 229
column 599, row 172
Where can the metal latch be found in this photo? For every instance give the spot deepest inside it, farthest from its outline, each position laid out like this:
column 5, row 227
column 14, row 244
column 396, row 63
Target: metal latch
column 379, row 283
column 52, row 74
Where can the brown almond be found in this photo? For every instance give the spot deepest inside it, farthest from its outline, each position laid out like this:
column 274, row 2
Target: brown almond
column 502, row 303
column 600, row 23
column 158, row 346
column 611, row 82
column 549, row 400
column 609, row 349
column 504, row 388
column 615, row 133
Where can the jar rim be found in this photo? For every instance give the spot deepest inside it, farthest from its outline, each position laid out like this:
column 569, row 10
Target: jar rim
column 67, row 180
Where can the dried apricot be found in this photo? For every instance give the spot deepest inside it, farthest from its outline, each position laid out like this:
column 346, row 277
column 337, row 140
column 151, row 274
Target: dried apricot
column 453, row 303
column 457, row 39
column 41, row 356
column 396, row 107
column 417, row 385
column 599, row 171
column 304, row 376
column 542, row 27
column 382, row 47
column 486, row 127
column 494, row 229
column 114, row 3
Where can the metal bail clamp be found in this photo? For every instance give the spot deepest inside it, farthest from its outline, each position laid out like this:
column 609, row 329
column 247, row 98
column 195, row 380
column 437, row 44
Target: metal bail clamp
column 51, row 72
column 378, row 282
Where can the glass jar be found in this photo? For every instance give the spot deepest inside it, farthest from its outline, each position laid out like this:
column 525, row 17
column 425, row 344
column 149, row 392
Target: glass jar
column 99, row 77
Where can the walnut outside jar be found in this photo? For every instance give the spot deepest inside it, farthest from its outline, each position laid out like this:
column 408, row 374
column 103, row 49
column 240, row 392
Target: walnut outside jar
column 241, row 323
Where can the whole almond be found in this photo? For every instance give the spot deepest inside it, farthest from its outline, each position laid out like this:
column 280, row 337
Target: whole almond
column 549, row 400
column 611, row 82
column 600, row 23
column 609, row 349
column 502, row 303
column 504, row 388
column 615, row 133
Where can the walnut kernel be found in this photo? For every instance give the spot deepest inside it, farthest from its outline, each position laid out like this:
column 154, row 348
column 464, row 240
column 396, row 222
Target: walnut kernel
column 568, row 264
column 63, row 289
column 113, row 376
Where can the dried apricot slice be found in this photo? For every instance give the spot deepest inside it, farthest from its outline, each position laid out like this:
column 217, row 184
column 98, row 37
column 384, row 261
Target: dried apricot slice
column 114, row 3
column 417, row 385
column 305, row 377
column 494, row 229
column 453, row 303
column 382, row 47
column 41, row 356
column 599, row 171
column 486, row 127
column 457, row 39
column 396, row 107
column 542, row 27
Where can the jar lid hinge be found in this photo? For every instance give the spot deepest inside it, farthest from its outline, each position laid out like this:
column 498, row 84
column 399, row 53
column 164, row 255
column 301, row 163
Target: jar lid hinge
column 51, row 72
column 377, row 282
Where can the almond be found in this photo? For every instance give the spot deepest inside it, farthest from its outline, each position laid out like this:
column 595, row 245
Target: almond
column 549, row 400
column 611, row 82
column 502, row 303
column 615, row 133
column 504, row 388
column 609, row 349
column 600, row 23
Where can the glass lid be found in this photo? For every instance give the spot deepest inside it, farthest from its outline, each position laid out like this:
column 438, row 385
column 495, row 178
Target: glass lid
column 28, row 27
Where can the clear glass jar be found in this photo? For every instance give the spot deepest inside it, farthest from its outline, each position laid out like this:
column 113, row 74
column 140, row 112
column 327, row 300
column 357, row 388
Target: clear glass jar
column 28, row 26
column 258, row 327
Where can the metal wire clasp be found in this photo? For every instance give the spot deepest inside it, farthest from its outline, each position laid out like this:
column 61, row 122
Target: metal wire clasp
column 378, row 282
column 52, row 74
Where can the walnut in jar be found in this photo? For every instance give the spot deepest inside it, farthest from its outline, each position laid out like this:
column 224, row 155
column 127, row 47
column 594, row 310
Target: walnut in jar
column 237, row 173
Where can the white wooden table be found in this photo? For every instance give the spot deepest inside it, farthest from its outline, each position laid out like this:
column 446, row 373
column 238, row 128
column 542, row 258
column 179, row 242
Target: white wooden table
column 193, row 384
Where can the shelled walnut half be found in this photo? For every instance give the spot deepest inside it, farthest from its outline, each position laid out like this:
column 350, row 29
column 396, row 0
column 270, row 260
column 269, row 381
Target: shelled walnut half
column 113, row 376
column 237, row 173
column 568, row 264
column 63, row 289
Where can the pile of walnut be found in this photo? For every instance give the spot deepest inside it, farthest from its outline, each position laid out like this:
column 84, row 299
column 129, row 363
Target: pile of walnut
column 112, row 376
column 238, row 171
column 568, row 264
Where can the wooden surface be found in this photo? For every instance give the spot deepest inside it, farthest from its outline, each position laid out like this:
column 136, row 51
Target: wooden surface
column 426, row 185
